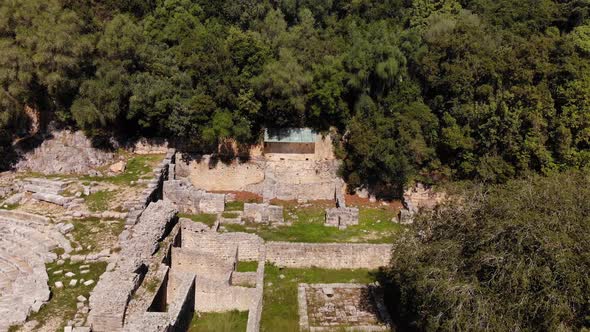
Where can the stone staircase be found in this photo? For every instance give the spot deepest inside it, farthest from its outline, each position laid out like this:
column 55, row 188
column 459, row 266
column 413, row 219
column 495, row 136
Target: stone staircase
column 47, row 190
column 26, row 241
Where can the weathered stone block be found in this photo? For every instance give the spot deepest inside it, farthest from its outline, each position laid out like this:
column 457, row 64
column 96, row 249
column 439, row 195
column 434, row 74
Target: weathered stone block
column 342, row 217
column 263, row 212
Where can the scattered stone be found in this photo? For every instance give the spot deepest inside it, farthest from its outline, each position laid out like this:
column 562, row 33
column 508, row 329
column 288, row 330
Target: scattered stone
column 68, row 329
column 58, row 272
column 59, row 284
column 117, row 167
column 79, row 305
column 282, row 276
column 65, row 228
column 88, row 282
column 14, row 199
column 81, row 298
column 84, row 271
column 73, row 282
column 60, row 262
column 70, row 274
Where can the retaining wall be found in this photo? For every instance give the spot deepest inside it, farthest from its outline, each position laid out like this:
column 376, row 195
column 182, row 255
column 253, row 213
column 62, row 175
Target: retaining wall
column 328, row 255
column 248, row 244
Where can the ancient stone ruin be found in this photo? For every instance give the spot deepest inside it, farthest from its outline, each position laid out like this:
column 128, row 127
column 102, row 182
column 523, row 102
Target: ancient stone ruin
column 192, row 200
column 263, row 213
column 342, row 217
column 163, row 269
column 26, row 242
column 416, row 198
column 357, row 307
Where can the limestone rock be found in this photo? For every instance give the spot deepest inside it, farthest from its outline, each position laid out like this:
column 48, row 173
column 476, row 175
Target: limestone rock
column 65, row 152
column 118, row 167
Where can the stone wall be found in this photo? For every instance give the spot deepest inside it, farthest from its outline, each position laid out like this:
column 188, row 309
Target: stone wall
column 263, row 213
column 301, row 180
column 224, row 298
column 342, row 217
column 109, row 299
column 153, row 192
column 211, row 176
column 248, row 244
column 192, row 200
column 216, row 267
column 243, row 279
column 328, row 255
column 255, row 312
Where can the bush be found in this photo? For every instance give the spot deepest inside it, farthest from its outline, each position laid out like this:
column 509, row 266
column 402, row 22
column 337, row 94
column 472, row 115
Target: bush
column 503, row 258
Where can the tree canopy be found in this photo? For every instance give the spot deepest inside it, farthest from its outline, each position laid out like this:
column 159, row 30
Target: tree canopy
column 422, row 89
column 512, row 257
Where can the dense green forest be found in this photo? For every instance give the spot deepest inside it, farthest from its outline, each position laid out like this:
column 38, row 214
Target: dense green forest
column 512, row 257
column 485, row 89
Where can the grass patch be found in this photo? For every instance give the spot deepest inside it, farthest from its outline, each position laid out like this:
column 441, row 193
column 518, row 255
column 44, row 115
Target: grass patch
column 230, row 215
column 230, row 321
column 10, row 206
column 234, row 206
column 137, row 167
column 247, row 266
column 280, row 310
column 152, row 285
column 206, row 218
column 91, row 231
column 62, row 304
column 374, row 226
column 99, row 201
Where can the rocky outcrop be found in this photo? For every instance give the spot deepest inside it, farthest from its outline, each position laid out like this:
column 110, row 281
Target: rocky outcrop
column 65, row 152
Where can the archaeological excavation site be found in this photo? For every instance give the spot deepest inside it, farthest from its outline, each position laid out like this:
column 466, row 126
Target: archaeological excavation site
column 146, row 238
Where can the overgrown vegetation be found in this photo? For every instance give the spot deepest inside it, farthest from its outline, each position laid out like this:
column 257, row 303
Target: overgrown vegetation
column 231, row 321
column 206, row 218
column 99, row 201
column 502, row 258
column 482, row 89
column 138, row 167
column 307, row 225
column 247, row 266
column 96, row 233
column 234, row 206
column 280, row 310
column 230, row 215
